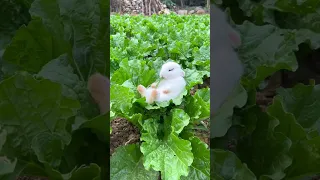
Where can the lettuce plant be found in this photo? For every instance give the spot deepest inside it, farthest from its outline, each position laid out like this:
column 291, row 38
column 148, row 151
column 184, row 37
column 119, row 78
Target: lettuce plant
column 48, row 120
column 282, row 141
column 139, row 46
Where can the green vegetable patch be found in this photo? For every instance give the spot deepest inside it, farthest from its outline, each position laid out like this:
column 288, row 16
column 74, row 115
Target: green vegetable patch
column 169, row 146
column 49, row 125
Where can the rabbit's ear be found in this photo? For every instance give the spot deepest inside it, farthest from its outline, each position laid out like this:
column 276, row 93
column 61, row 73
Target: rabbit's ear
column 234, row 37
column 182, row 73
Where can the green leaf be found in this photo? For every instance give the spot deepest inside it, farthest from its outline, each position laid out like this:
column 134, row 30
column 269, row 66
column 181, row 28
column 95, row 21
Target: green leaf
column 179, row 120
column 305, row 26
column 302, row 101
column 120, row 76
column 97, row 124
column 133, row 167
column 7, row 165
column 266, row 49
column 308, row 36
column 287, row 122
column 90, row 172
column 200, row 167
column 60, row 71
column 112, row 114
column 32, row 47
column 263, row 11
column 193, row 108
column 43, row 131
column 87, row 34
column 194, row 77
column 216, row 176
column 3, row 137
column 182, row 49
column 139, row 72
column 300, row 21
column 266, row 151
column 121, row 98
column 135, row 119
column 306, row 158
column 226, row 165
column 222, row 120
column 48, row 148
column 16, row 171
column 203, row 100
column 172, row 156
column 298, row 7
column 256, row 10
column 198, row 105
column 202, row 58
column 305, row 152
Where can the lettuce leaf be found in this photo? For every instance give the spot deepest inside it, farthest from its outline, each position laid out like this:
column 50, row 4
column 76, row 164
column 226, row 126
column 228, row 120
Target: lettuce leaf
column 171, row 155
column 84, row 34
column 133, row 168
column 43, row 132
column 200, row 167
column 259, row 63
column 301, row 101
column 227, row 165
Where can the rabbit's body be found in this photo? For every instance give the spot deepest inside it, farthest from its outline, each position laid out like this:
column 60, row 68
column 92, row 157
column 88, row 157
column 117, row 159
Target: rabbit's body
column 174, row 88
column 226, row 67
column 170, row 87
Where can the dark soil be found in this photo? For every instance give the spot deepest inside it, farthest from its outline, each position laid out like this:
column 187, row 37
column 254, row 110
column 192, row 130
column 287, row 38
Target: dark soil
column 123, row 133
column 264, row 98
column 309, row 68
column 204, row 135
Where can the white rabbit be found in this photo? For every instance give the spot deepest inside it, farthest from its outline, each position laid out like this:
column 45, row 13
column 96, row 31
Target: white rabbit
column 226, row 67
column 171, row 86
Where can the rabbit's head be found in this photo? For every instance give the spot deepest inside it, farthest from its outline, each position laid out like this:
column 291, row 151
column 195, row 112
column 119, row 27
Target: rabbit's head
column 171, row 70
column 223, row 32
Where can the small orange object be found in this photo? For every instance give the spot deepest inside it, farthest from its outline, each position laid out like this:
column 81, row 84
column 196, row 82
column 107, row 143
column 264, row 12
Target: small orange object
column 165, row 91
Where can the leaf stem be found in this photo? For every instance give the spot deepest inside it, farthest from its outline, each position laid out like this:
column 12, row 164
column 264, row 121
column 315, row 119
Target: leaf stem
column 78, row 70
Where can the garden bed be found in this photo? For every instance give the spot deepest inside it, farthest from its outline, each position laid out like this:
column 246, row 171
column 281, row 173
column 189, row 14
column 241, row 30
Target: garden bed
column 140, row 45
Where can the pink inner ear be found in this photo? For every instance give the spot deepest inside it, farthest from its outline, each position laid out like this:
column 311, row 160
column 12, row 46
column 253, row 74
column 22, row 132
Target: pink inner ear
column 235, row 38
column 182, row 74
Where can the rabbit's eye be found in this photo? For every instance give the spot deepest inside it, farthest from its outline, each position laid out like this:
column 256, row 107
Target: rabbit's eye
column 171, row 69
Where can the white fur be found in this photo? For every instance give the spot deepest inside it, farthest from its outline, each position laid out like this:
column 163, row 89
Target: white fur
column 226, row 67
column 175, row 86
column 173, row 81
